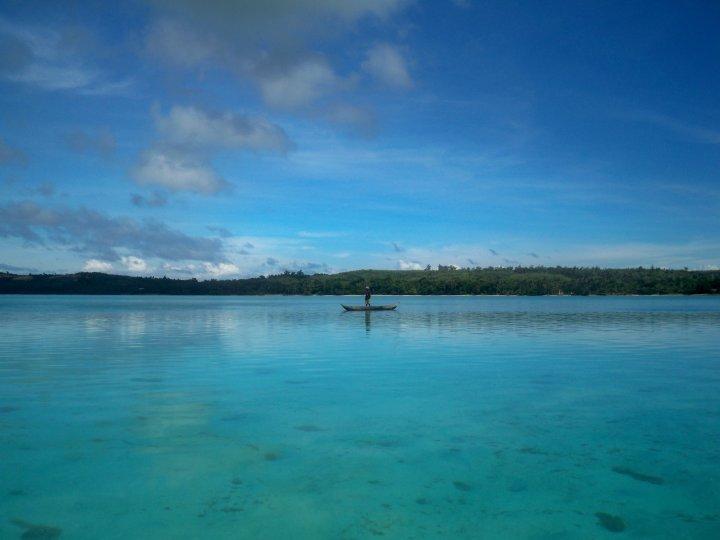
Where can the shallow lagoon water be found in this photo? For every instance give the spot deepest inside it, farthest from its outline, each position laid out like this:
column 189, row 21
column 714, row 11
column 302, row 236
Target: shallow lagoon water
column 283, row 417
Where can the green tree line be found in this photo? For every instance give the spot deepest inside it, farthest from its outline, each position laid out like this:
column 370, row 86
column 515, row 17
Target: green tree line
column 535, row 280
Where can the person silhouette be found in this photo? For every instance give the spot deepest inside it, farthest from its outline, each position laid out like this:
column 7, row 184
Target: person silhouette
column 368, row 294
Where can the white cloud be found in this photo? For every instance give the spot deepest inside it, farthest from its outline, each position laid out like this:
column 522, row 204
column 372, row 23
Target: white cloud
column 54, row 60
column 299, row 85
column 188, row 138
column 385, row 63
column 277, row 46
column 134, row 264
column 95, row 265
column 409, row 265
column 221, row 269
column 195, row 128
column 171, row 170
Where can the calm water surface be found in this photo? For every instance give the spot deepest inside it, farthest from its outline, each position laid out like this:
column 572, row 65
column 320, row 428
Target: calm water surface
column 282, row 417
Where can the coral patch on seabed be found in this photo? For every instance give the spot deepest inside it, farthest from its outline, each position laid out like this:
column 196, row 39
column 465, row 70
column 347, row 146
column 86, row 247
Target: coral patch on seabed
column 639, row 476
column 610, row 522
column 462, row 486
column 36, row 532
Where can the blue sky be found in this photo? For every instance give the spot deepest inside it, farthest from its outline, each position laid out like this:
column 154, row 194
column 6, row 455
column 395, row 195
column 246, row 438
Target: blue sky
column 224, row 139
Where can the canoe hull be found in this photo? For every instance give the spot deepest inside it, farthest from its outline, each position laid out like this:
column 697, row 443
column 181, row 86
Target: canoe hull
column 369, row 308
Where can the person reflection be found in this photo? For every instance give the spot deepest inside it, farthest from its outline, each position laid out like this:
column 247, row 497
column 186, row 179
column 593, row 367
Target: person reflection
column 367, row 322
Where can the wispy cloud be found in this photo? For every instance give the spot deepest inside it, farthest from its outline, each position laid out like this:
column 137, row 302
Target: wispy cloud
column 155, row 200
column 222, row 232
column 55, row 60
column 102, row 237
column 386, row 63
column 690, row 131
column 16, row 269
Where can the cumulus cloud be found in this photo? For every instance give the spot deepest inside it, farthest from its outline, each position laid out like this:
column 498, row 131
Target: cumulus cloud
column 134, row 264
column 55, row 60
column 190, row 127
column 95, row 265
column 189, row 137
column 386, row 64
column 275, row 45
column 101, row 236
column 10, row 155
column 299, row 85
column 409, row 265
column 221, row 269
column 177, row 172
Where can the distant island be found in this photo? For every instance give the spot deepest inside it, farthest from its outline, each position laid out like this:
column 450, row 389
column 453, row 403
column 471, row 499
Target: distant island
column 531, row 281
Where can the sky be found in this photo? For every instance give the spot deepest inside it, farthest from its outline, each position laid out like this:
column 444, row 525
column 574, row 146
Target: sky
column 221, row 139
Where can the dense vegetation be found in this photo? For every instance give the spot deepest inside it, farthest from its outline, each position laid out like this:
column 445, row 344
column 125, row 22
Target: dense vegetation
column 445, row 280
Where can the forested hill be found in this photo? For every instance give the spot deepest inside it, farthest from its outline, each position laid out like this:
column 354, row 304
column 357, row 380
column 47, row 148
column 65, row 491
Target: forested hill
column 446, row 280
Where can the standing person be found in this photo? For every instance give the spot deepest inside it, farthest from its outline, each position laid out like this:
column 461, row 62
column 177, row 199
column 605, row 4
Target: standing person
column 368, row 294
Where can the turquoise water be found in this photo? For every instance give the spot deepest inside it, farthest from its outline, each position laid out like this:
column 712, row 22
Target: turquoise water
column 282, row 417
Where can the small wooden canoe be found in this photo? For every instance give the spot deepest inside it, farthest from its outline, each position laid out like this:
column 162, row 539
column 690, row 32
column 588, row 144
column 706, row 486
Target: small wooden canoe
column 369, row 308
